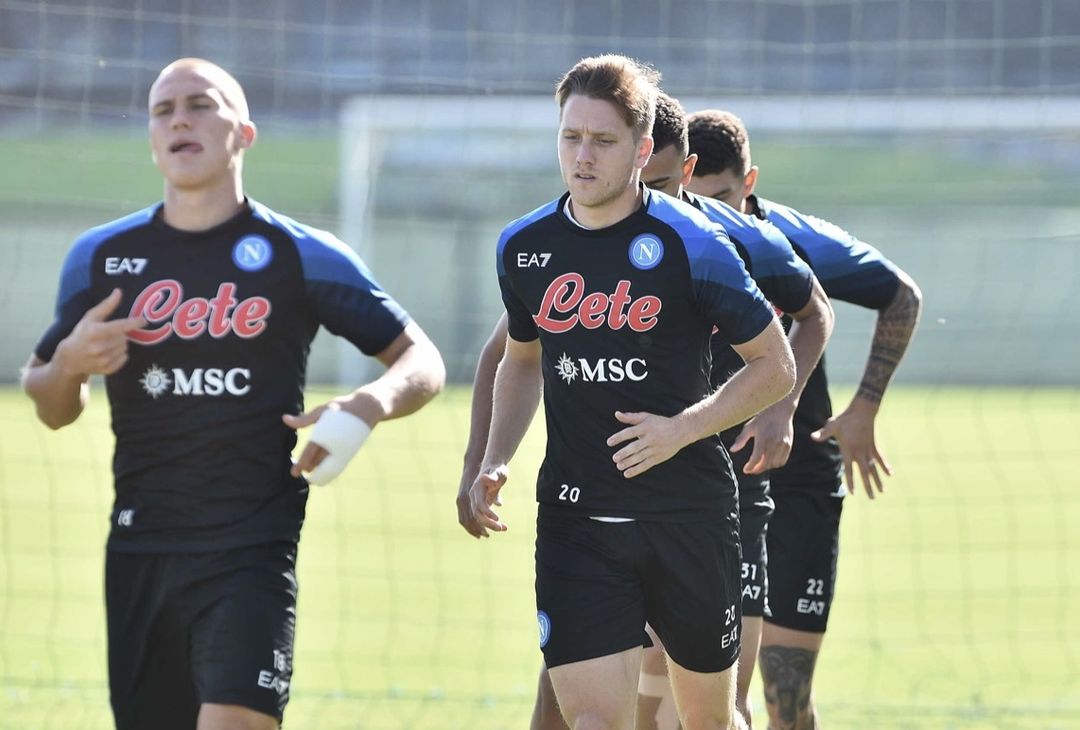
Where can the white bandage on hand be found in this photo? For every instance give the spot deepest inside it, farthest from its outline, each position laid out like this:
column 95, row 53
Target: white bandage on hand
column 341, row 434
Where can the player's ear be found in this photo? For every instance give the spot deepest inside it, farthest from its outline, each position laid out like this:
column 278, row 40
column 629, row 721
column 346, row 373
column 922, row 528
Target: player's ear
column 644, row 152
column 248, row 133
column 750, row 181
column 688, row 169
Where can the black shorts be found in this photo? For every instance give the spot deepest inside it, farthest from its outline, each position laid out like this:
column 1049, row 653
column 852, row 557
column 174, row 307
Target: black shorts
column 205, row 628
column 755, row 507
column 754, row 517
column 803, row 543
column 597, row 583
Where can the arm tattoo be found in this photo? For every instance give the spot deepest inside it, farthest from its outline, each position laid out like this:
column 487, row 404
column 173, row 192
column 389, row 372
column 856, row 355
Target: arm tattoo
column 895, row 325
column 787, row 673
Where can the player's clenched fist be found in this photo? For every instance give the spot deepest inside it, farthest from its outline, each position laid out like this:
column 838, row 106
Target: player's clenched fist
column 97, row 346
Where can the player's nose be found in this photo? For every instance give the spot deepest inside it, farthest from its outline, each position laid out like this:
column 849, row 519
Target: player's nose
column 179, row 120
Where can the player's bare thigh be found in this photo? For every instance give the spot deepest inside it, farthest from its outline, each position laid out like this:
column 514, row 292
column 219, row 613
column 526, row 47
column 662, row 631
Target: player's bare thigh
column 546, row 712
column 705, row 701
column 751, row 641
column 601, row 693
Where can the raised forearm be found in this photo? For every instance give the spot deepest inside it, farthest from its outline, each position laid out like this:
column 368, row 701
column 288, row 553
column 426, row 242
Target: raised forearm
column 895, row 326
column 768, row 376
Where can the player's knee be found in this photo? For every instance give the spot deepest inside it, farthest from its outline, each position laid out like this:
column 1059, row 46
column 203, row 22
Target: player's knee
column 598, row 720
column 744, row 709
column 706, row 718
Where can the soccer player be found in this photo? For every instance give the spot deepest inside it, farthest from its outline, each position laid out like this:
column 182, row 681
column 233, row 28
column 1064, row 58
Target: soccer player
column 803, row 535
column 612, row 293
column 787, row 283
column 200, row 311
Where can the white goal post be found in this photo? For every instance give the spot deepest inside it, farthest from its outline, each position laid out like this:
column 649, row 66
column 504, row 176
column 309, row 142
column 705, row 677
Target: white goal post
column 427, row 182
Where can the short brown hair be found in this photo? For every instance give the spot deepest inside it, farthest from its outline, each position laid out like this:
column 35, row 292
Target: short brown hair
column 626, row 83
column 720, row 141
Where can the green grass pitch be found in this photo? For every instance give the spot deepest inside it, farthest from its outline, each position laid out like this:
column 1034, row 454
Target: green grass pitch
column 955, row 608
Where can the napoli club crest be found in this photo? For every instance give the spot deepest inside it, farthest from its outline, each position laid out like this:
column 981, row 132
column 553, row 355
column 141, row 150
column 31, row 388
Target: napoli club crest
column 252, row 253
column 646, row 252
column 545, row 627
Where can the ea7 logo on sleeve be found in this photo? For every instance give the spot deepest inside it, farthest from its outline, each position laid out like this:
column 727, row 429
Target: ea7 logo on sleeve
column 162, row 303
column 525, row 260
column 566, row 293
column 114, row 266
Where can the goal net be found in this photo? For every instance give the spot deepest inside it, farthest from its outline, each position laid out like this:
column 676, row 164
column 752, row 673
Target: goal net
column 944, row 132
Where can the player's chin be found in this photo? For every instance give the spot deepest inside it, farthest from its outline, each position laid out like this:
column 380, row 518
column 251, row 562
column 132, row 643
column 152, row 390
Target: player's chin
column 191, row 175
column 185, row 179
column 587, row 195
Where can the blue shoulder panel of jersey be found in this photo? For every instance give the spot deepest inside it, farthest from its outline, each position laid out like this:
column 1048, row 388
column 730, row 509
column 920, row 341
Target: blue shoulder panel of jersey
column 346, row 298
column 324, row 256
column 782, row 275
column 722, row 285
column 848, row 269
column 75, row 276
column 514, row 226
column 706, row 242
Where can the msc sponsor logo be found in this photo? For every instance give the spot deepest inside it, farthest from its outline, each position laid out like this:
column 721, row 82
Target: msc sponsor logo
column 252, row 253
column 565, row 305
column 167, row 312
column 155, row 382
column 114, row 266
column 646, row 252
column 199, row 381
column 601, row 370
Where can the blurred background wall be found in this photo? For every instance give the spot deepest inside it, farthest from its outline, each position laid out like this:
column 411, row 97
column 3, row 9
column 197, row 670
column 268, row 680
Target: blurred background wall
column 974, row 194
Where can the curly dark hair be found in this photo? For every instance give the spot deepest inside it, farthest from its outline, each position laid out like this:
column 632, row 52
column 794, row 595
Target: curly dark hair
column 720, row 141
column 670, row 125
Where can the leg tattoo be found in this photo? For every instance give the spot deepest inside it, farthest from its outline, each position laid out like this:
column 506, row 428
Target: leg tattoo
column 787, row 674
